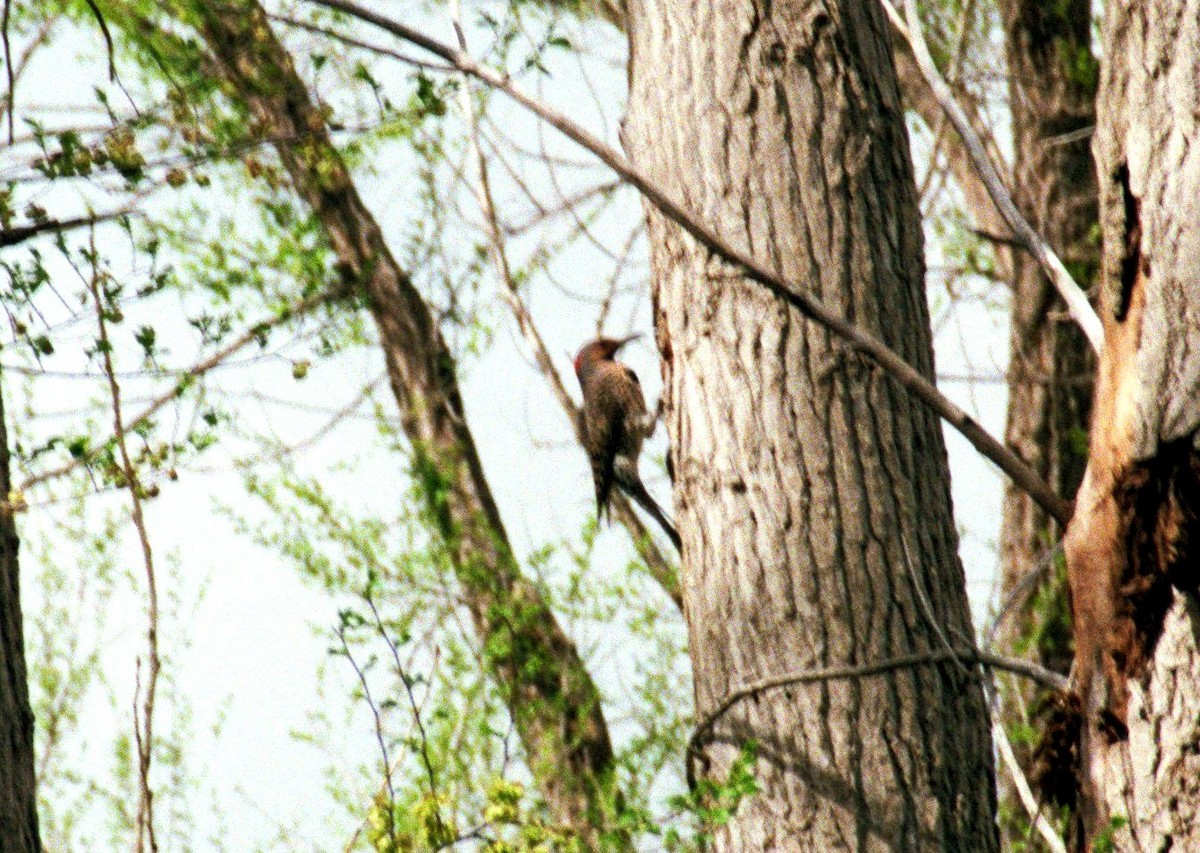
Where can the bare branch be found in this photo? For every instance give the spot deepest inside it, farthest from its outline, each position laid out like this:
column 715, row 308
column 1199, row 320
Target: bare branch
column 1081, row 310
column 21, row 233
column 838, row 673
column 1052, row 839
column 917, row 384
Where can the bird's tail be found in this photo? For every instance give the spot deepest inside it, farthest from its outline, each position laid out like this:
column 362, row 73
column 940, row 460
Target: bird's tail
column 632, row 486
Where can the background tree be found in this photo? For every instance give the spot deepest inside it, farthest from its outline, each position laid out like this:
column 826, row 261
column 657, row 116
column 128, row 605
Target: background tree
column 18, row 801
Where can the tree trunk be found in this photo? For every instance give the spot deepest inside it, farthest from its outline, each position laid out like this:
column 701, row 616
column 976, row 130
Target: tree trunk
column 18, row 800
column 1052, row 94
column 1132, row 547
column 811, row 492
column 555, row 704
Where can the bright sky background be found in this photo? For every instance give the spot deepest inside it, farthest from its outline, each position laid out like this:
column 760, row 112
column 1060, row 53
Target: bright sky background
column 256, row 635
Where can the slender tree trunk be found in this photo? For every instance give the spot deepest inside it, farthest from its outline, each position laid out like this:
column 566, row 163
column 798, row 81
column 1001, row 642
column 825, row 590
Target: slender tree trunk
column 18, row 800
column 1052, row 93
column 1132, row 547
column 811, row 492
column 554, row 702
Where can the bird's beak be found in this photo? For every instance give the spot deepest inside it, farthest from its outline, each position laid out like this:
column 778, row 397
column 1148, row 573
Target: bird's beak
column 620, row 342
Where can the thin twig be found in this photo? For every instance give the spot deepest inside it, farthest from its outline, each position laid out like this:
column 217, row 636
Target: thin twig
column 900, row 370
column 145, row 736
column 8, row 70
column 1018, row 593
column 416, row 712
column 188, row 377
column 380, row 738
column 1077, row 302
column 926, row 607
column 108, row 39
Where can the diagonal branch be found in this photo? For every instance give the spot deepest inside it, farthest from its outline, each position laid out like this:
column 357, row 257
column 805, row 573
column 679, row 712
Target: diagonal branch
column 1077, row 303
column 900, row 370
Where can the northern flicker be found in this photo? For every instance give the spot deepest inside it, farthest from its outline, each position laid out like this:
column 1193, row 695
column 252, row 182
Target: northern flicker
column 615, row 423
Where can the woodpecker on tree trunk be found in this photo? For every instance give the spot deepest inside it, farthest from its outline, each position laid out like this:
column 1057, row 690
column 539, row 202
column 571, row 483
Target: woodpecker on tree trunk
column 615, row 423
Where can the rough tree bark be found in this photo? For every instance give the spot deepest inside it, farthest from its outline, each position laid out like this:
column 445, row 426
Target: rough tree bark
column 555, row 704
column 811, row 492
column 1132, row 546
column 18, row 800
column 1052, row 94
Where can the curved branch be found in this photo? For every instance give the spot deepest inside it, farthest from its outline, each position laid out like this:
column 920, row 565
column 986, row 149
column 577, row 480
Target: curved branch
column 660, row 569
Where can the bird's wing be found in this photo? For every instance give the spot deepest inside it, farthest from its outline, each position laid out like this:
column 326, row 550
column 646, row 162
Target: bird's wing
column 629, row 389
column 604, row 436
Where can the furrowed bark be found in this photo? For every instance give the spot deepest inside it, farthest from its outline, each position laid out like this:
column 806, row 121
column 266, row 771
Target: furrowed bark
column 1052, row 94
column 18, row 800
column 811, row 491
column 554, row 702
column 1131, row 549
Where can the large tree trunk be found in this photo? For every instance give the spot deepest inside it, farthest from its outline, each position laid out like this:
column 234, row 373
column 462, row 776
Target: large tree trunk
column 555, row 704
column 18, row 802
column 1132, row 547
column 811, row 492
column 1052, row 94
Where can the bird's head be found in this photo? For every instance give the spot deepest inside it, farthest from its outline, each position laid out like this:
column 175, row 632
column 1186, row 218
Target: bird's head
column 601, row 349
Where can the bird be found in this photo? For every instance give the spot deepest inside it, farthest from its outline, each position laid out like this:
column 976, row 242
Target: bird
column 615, row 423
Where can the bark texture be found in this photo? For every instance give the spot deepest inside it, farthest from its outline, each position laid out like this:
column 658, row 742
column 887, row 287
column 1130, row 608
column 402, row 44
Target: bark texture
column 1131, row 548
column 555, row 704
column 811, row 492
column 18, row 800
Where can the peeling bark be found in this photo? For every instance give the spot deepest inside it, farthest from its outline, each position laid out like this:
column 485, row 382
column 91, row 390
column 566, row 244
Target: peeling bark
column 1131, row 549
column 554, row 703
column 811, row 492
column 18, row 801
